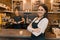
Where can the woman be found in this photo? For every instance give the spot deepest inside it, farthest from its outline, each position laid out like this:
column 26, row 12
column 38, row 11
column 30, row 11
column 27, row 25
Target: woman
column 39, row 24
column 17, row 20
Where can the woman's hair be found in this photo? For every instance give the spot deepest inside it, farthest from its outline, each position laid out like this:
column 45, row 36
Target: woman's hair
column 17, row 8
column 46, row 9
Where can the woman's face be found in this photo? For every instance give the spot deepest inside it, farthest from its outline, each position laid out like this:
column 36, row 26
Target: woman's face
column 41, row 11
column 16, row 12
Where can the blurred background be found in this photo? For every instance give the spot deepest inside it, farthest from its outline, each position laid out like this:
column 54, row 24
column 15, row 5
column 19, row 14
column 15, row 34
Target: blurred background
column 28, row 9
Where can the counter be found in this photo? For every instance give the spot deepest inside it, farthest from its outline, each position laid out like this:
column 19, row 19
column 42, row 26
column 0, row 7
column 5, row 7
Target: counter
column 14, row 34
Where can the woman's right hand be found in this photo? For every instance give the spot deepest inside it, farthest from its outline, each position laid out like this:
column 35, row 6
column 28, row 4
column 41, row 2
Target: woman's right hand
column 14, row 22
column 36, row 30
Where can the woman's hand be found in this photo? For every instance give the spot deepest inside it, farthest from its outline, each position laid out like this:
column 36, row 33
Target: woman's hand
column 36, row 30
column 19, row 22
column 15, row 22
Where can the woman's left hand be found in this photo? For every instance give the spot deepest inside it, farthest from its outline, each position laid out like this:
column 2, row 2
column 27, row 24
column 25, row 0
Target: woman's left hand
column 36, row 30
column 19, row 22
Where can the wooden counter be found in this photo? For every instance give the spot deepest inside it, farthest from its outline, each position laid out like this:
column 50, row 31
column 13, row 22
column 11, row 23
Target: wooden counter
column 14, row 33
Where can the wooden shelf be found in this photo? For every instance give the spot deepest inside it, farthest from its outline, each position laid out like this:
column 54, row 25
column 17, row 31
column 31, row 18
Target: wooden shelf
column 53, row 12
column 31, row 11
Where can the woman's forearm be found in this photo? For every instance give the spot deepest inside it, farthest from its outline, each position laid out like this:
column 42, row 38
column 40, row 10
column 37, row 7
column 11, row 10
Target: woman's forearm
column 36, row 30
column 22, row 20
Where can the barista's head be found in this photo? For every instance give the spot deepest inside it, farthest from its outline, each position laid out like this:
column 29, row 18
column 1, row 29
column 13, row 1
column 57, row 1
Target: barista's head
column 16, row 11
column 42, row 10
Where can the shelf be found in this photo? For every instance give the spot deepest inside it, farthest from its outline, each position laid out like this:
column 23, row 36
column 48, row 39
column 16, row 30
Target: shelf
column 6, row 11
column 54, row 12
column 25, row 12
column 56, row 4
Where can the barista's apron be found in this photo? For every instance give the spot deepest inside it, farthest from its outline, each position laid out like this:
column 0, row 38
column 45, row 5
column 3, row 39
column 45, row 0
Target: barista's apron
column 41, row 36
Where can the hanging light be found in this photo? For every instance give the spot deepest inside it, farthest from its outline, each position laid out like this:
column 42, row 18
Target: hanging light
column 51, row 1
column 24, row 1
column 51, row 4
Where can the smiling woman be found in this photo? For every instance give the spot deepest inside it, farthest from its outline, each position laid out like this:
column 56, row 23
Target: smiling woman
column 38, row 26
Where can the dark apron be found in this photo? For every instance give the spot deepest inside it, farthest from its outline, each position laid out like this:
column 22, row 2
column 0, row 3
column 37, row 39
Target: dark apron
column 17, row 19
column 41, row 36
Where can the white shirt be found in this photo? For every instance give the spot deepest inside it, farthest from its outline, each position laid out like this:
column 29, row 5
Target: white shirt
column 42, row 25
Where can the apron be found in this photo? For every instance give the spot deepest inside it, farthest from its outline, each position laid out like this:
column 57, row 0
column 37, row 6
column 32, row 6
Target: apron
column 17, row 26
column 41, row 36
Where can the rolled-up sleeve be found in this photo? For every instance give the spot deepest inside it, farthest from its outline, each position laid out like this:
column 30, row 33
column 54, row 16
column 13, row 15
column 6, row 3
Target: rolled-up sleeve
column 29, row 28
column 43, row 25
